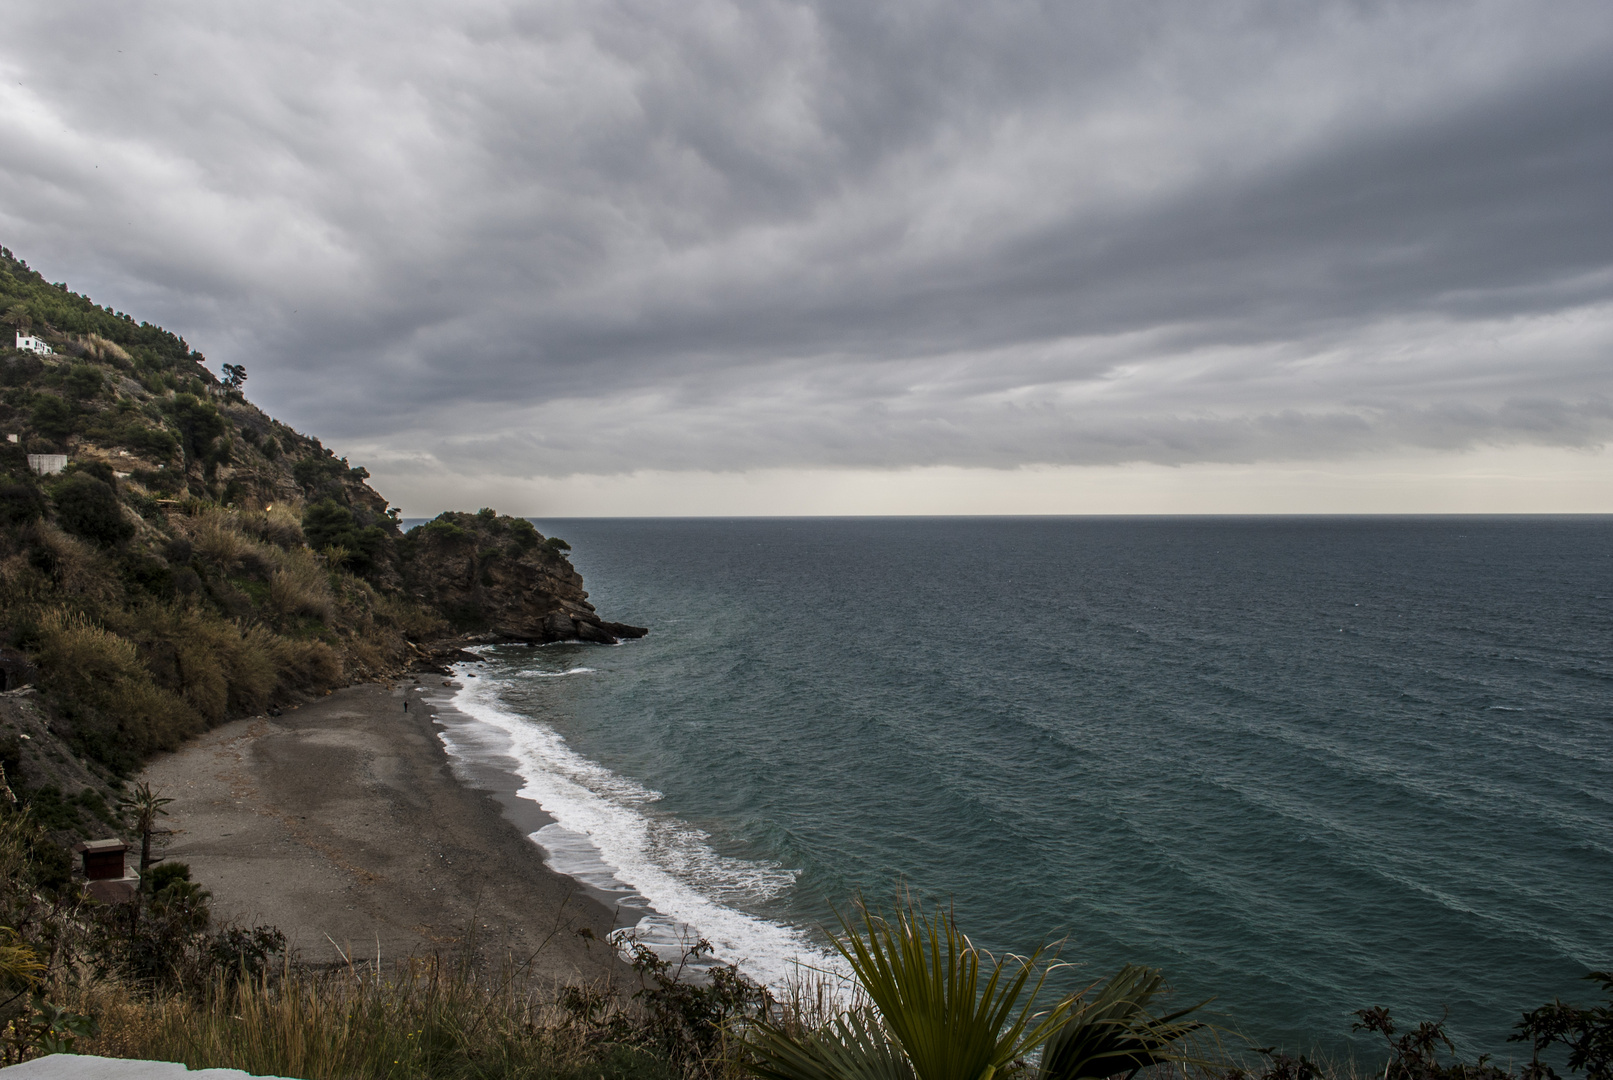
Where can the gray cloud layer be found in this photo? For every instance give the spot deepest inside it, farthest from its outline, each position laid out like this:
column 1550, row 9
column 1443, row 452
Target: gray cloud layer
column 606, row 236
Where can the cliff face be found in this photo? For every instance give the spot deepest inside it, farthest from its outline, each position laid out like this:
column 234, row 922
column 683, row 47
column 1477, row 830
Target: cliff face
column 500, row 576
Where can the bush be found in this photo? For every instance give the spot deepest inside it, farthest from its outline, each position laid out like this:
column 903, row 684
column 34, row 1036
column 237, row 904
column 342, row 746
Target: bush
column 299, row 587
column 20, row 503
column 76, row 568
column 526, row 536
column 152, row 442
column 88, row 507
column 161, row 481
column 1586, row 1033
column 212, row 663
column 440, row 528
column 118, row 713
column 199, row 423
column 328, row 525
column 307, row 665
column 319, row 475
column 276, row 525
column 165, row 874
column 85, row 381
column 51, row 416
column 216, row 539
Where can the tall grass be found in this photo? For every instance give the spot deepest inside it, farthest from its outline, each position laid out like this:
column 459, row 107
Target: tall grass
column 279, row 524
column 299, row 587
column 432, row 1018
column 119, row 707
column 216, row 538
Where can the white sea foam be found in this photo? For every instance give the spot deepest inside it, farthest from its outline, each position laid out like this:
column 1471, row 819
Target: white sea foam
column 608, row 835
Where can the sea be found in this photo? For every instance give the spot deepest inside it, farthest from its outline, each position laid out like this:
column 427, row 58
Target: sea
column 1304, row 766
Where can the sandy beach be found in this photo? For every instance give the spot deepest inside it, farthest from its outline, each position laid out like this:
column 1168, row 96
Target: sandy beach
column 340, row 822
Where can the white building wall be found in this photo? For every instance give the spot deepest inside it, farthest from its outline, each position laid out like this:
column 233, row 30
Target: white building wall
column 47, row 464
column 29, row 343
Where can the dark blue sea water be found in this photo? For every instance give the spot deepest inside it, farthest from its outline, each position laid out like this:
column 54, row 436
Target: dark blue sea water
column 1304, row 765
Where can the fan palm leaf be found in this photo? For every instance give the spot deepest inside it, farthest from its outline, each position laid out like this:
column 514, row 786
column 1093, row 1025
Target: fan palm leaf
column 943, row 1010
column 852, row 1046
column 953, row 1016
column 1114, row 1031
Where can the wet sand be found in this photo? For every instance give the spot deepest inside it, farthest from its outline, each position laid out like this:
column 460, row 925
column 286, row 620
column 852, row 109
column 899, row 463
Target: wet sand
column 341, row 823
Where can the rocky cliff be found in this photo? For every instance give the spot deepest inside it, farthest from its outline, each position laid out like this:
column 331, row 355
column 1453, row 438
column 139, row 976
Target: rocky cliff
column 500, row 577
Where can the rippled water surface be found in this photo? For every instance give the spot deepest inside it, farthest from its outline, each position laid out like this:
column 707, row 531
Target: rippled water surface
column 1305, row 765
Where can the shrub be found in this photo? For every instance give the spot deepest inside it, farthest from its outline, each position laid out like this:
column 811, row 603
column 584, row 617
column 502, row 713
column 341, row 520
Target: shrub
column 152, row 442
column 51, row 416
column 165, row 874
column 211, row 662
column 160, row 481
column 101, row 349
column 89, row 508
column 77, row 569
column 85, row 381
column 1586, row 1033
column 307, row 665
column 328, row 525
column 20, row 503
column 118, row 713
column 300, row 587
column 216, row 539
column 440, row 528
column 318, row 475
column 276, row 525
column 199, row 423
column 524, row 534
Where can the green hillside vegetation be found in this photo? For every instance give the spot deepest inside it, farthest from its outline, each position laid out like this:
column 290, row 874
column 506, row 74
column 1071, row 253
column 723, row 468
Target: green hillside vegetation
column 196, row 560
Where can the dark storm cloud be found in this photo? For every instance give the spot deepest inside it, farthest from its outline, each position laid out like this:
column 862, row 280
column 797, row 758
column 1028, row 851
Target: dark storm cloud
column 609, row 236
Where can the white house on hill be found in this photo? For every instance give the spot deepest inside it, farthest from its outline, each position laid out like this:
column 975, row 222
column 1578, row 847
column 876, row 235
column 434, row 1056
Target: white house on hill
column 29, row 343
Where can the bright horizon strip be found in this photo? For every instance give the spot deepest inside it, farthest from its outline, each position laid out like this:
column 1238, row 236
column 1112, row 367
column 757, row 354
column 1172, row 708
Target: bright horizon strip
column 1512, row 480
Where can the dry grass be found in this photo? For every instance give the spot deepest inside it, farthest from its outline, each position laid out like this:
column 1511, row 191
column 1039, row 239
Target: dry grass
column 75, row 567
column 96, row 668
column 308, row 665
column 279, row 524
column 410, row 618
column 99, row 348
column 218, row 538
column 432, row 1018
column 299, row 587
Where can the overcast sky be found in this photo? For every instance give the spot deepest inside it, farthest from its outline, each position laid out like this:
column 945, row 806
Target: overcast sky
column 839, row 256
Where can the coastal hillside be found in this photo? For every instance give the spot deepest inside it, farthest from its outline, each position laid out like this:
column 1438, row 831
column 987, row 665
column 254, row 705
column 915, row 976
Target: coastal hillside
column 172, row 557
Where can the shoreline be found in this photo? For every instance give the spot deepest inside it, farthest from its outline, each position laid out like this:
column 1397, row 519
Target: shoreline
column 469, row 747
column 346, row 823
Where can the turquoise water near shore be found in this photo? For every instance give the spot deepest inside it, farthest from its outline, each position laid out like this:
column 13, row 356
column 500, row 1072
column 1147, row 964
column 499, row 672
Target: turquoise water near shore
column 1304, row 765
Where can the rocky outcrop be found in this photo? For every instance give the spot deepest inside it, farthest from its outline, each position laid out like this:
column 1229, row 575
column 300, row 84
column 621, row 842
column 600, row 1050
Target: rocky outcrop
column 498, row 577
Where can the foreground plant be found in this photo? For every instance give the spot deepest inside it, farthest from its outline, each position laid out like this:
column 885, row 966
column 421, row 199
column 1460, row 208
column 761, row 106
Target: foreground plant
column 944, row 1010
column 1586, row 1033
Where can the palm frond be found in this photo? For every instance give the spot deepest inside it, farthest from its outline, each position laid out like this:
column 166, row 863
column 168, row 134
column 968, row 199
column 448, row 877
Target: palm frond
column 951, row 1019
column 1114, row 1032
column 852, row 1046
